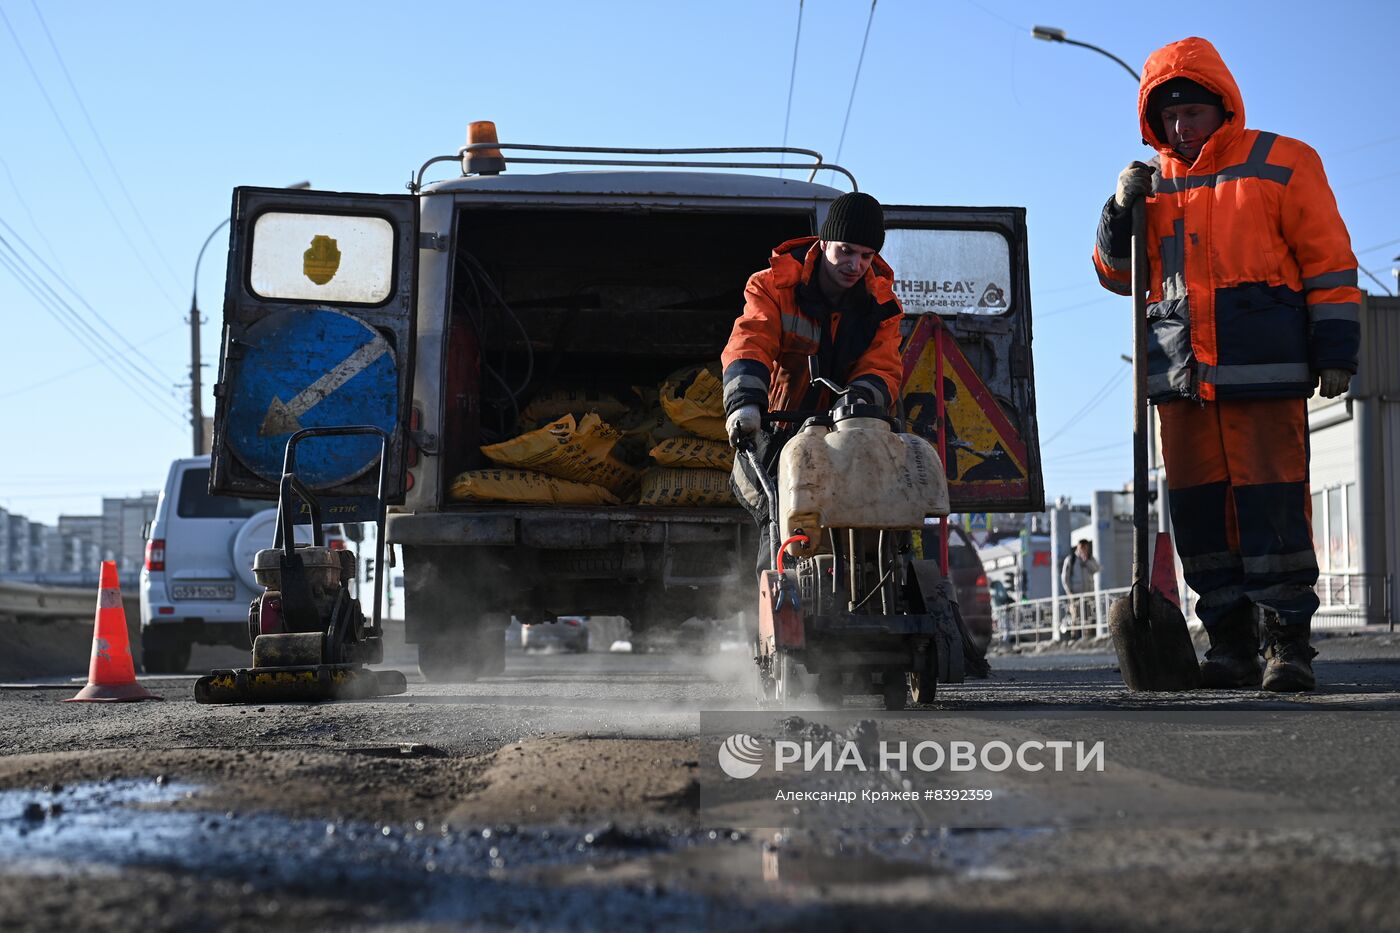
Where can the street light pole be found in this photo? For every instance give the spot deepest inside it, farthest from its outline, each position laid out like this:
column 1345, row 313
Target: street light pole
column 196, row 398
column 1051, row 34
column 196, row 389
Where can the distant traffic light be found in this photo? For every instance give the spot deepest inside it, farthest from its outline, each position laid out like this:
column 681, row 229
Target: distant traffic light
column 369, row 569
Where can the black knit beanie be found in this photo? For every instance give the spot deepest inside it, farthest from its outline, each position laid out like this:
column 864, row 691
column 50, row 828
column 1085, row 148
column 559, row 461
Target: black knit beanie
column 1177, row 91
column 855, row 218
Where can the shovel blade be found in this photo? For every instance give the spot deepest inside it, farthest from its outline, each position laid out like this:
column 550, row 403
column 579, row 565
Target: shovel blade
column 1155, row 653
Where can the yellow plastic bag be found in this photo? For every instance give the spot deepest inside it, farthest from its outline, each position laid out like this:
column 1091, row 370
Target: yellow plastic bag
column 694, row 399
column 694, row 452
column 580, row 451
column 681, row 487
column 527, row 487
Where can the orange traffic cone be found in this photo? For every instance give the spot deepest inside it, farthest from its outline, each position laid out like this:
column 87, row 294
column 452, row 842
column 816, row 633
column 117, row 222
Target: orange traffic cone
column 111, row 674
column 1164, row 569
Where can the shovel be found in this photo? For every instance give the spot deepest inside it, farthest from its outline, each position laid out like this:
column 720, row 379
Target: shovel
column 1149, row 633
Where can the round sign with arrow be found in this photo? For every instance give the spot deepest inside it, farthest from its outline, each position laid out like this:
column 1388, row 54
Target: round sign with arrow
column 311, row 368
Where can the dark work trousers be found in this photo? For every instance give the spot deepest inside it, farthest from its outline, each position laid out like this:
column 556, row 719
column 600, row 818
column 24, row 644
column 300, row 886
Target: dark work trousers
column 746, row 487
column 1238, row 475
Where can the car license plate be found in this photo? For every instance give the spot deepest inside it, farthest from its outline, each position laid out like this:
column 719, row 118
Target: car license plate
column 202, row 591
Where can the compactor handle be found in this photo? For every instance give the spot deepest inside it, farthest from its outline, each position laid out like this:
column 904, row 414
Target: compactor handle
column 815, row 377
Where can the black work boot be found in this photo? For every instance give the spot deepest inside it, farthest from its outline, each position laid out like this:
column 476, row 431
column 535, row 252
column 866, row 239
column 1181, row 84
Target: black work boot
column 1233, row 658
column 1289, row 656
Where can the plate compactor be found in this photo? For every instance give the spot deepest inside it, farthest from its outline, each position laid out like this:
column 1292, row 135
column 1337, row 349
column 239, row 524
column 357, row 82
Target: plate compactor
column 847, row 599
column 310, row 638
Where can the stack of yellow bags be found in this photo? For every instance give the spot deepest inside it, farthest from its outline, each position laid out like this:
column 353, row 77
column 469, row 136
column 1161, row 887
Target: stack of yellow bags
column 577, row 458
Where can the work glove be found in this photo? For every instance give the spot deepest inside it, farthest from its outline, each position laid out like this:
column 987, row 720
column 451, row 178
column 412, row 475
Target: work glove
column 742, row 424
column 1333, row 382
column 1133, row 182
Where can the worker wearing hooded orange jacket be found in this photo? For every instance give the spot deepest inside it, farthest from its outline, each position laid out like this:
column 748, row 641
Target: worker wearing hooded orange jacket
column 831, row 297
column 1253, row 303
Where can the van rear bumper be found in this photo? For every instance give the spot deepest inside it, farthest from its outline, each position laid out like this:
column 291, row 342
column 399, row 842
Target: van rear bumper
column 551, row 528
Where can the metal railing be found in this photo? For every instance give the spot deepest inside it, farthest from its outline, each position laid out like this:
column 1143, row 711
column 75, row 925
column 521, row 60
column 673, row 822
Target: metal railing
column 1348, row 600
column 1081, row 616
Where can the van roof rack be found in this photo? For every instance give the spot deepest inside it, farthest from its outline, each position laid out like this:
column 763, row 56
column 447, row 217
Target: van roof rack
column 818, row 164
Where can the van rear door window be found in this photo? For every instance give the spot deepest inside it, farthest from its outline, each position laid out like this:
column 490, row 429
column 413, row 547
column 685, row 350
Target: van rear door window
column 195, row 501
column 337, row 259
column 950, row 271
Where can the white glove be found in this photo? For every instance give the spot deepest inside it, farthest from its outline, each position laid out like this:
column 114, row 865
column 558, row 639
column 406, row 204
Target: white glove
column 743, row 423
column 1133, row 182
column 1333, row 382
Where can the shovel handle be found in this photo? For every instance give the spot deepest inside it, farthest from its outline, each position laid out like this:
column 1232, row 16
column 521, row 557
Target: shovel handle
column 1140, row 439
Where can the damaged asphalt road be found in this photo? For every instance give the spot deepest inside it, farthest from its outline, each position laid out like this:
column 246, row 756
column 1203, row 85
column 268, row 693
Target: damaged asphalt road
column 566, row 794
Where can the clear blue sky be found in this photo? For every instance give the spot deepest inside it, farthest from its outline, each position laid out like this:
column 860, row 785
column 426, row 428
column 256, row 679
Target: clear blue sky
column 956, row 104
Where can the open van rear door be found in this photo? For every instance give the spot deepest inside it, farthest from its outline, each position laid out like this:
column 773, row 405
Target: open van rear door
column 318, row 332
column 962, row 276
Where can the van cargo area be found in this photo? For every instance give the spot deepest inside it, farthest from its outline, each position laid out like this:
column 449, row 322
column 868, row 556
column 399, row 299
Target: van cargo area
column 612, row 300
column 608, row 302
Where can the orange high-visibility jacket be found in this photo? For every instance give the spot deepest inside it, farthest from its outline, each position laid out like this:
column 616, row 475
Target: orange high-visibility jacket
column 1253, row 281
column 765, row 361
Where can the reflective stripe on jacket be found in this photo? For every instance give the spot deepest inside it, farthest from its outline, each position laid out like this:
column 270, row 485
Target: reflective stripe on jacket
column 1253, row 281
column 765, row 361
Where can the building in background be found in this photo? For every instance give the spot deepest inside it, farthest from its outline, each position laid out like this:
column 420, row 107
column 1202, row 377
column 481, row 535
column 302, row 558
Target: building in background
column 72, row 551
column 1355, row 458
column 124, row 524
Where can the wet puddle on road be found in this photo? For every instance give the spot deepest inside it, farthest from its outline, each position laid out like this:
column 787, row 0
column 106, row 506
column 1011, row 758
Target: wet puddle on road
column 438, row 873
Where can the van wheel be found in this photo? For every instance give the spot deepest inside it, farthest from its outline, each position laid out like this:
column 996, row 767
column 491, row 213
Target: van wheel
column 165, row 657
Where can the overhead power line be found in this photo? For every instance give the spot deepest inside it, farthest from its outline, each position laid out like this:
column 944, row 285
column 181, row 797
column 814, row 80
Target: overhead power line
column 56, row 377
column 101, row 146
column 82, row 333
column 34, row 223
column 1075, row 307
column 1366, row 145
column 841, row 144
column 1104, row 392
column 85, row 334
column 87, row 170
column 1087, row 451
column 83, row 301
column 1378, row 246
column 1374, row 278
column 792, row 80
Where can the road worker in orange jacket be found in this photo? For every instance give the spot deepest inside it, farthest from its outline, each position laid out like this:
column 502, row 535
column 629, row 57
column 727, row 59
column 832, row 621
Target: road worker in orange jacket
column 831, row 297
column 1253, row 304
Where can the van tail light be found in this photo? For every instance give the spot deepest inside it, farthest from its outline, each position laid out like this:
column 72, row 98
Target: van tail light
column 981, row 580
column 155, row 554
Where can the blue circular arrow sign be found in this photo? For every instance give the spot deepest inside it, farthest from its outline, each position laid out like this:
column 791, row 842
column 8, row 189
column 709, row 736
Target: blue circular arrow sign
column 311, row 369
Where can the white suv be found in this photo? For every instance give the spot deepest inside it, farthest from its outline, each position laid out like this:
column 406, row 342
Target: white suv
column 197, row 581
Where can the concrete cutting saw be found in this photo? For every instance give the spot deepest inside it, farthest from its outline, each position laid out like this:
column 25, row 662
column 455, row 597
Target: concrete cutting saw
column 848, row 601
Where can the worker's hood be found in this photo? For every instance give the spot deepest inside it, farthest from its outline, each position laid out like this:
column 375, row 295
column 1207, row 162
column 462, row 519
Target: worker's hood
column 796, row 261
column 1197, row 59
